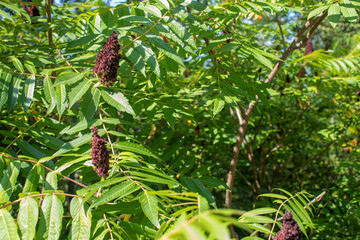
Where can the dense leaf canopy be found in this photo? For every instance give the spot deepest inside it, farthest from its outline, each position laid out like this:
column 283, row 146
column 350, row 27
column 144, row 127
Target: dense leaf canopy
column 210, row 119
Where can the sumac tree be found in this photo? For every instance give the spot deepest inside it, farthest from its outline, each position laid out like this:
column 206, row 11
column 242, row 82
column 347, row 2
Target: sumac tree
column 166, row 119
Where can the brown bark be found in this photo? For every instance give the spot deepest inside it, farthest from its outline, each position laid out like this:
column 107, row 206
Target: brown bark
column 48, row 15
column 244, row 117
column 245, row 114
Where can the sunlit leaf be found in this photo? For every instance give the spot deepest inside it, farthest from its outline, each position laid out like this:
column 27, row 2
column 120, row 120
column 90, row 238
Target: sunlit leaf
column 28, row 217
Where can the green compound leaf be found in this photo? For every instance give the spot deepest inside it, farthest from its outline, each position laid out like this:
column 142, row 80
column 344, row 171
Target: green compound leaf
column 149, row 206
column 68, row 78
column 28, row 92
column 28, row 217
column 117, row 100
column 5, row 90
column 81, row 225
column 118, row 192
column 334, row 14
column 50, row 218
column 8, row 229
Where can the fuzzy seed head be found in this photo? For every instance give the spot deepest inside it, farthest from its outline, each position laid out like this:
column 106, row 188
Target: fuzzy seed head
column 290, row 229
column 32, row 10
column 107, row 61
column 99, row 154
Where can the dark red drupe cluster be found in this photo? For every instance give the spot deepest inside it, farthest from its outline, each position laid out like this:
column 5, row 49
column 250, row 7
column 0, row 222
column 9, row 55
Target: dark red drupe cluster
column 187, row 73
column 290, row 229
column 309, row 47
column 32, row 10
column 99, row 154
column 107, row 61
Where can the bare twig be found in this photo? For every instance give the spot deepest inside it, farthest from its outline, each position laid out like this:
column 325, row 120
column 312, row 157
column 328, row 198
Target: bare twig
column 273, row 150
column 232, row 113
column 242, row 110
column 245, row 180
column 250, row 154
column 231, row 175
column 309, row 161
column 281, row 32
column 257, row 130
column 239, row 115
column 151, row 134
column 108, row 226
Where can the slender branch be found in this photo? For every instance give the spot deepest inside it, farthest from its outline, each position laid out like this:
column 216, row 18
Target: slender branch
column 309, row 161
column 250, row 154
column 38, row 195
column 281, row 31
column 239, row 115
column 243, row 120
column 67, row 62
column 313, row 24
column 237, row 118
column 322, row 16
column 38, row 75
column 13, row 141
column 49, row 169
column 286, row 135
column 245, row 180
column 236, row 123
column 273, row 150
column 242, row 110
column 257, row 130
column 145, row 31
column 108, row 226
column 48, row 15
column 316, row 199
column 231, row 174
column 106, row 131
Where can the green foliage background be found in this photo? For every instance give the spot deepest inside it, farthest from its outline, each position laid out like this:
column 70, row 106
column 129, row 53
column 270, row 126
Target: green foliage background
column 195, row 93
